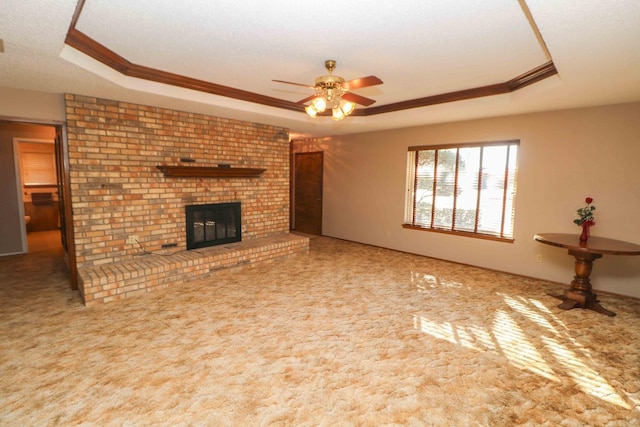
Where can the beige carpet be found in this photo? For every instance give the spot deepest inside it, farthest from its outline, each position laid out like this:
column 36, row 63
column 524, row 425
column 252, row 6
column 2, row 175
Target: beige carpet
column 348, row 335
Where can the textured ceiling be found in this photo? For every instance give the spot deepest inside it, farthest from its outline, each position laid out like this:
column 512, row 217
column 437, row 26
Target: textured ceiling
column 418, row 48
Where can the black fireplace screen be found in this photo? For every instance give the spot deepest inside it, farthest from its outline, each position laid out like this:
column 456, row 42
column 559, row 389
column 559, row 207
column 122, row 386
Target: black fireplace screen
column 213, row 224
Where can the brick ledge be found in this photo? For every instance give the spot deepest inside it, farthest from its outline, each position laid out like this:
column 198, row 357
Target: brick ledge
column 114, row 281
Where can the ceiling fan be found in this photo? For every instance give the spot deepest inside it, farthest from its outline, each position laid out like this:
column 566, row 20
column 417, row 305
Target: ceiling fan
column 335, row 93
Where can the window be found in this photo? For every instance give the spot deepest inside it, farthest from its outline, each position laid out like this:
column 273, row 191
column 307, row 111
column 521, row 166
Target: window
column 464, row 189
column 37, row 163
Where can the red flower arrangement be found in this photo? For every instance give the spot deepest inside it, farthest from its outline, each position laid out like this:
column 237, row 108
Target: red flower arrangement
column 585, row 214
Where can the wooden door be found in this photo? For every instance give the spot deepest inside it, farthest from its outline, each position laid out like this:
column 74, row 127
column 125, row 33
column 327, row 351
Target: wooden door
column 308, row 192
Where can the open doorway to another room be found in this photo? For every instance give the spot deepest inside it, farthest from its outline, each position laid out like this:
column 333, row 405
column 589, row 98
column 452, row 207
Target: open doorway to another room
column 31, row 219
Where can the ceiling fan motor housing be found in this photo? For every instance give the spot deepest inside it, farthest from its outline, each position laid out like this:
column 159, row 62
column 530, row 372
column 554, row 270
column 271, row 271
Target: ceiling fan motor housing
column 330, row 82
column 330, row 85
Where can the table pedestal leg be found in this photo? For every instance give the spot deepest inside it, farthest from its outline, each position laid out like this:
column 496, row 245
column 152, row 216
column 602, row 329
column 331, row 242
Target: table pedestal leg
column 579, row 294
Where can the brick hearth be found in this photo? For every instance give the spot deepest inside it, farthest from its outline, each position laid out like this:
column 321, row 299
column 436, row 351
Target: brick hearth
column 117, row 280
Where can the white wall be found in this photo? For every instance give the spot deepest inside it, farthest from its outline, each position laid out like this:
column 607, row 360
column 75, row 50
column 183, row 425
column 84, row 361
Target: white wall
column 19, row 104
column 564, row 157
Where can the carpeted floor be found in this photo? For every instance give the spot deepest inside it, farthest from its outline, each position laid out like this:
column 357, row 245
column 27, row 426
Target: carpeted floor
column 346, row 335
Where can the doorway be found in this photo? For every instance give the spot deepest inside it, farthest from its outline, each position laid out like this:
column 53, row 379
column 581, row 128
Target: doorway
column 37, row 198
column 308, row 175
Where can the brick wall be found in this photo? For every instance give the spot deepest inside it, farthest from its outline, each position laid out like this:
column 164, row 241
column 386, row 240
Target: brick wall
column 116, row 190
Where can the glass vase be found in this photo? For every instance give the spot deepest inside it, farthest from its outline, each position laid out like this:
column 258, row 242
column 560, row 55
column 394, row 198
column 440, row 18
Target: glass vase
column 586, row 231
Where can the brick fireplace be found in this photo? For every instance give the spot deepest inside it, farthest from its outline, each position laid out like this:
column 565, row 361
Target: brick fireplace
column 119, row 194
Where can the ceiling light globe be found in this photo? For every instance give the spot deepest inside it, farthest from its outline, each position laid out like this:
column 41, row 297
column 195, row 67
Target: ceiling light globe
column 311, row 110
column 337, row 114
column 347, row 107
column 319, row 104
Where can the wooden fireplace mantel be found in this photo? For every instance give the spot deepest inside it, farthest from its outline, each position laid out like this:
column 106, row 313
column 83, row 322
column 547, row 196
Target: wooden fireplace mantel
column 209, row 172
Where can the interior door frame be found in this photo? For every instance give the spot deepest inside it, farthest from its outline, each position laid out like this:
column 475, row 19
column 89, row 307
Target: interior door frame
column 64, row 202
column 61, row 145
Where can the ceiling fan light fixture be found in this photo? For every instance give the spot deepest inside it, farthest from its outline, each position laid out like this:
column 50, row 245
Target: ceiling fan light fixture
column 330, row 89
column 339, row 107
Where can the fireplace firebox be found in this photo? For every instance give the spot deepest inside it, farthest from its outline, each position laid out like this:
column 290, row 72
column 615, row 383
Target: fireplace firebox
column 213, row 224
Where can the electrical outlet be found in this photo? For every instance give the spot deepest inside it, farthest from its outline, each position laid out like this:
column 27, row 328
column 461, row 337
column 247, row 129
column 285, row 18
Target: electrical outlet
column 539, row 258
column 132, row 240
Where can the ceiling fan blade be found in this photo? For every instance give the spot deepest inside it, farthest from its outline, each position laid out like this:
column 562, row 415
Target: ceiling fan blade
column 362, row 82
column 296, row 84
column 307, row 99
column 349, row 96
